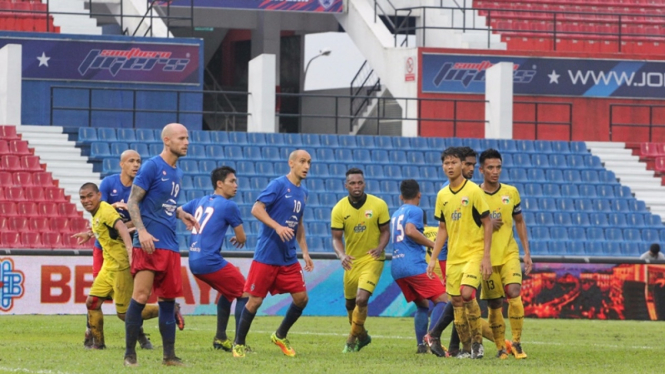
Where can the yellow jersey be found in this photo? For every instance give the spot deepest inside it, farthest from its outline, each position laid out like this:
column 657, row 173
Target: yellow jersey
column 504, row 204
column 430, row 233
column 116, row 257
column 361, row 225
column 461, row 210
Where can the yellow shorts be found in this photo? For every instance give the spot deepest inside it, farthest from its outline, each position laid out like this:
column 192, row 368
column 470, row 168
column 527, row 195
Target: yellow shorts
column 117, row 285
column 437, row 268
column 464, row 274
column 502, row 275
column 363, row 275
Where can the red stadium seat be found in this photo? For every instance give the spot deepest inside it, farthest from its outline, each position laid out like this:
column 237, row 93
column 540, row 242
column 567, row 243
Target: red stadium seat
column 19, row 147
column 18, row 224
column 648, row 150
column 31, row 163
column 11, row 240
column 32, row 240
column 15, row 194
column 3, row 224
column 48, row 209
column 28, row 209
column 10, row 163
column 659, row 165
column 4, row 148
column 35, row 194
column 68, row 210
column 23, row 179
column 78, row 225
column 69, row 242
column 40, row 224
column 60, row 224
column 42, row 178
column 52, row 240
column 6, row 179
column 8, row 133
column 54, row 194
column 8, row 209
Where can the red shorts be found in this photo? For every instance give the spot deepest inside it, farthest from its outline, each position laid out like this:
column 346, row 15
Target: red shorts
column 166, row 266
column 421, row 287
column 227, row 281
column 442, row 265
column 97, row 260
column 275, row 279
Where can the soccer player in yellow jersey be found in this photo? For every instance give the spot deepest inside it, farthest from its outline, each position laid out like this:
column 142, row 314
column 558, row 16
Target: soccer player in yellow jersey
column 506, row 279
column 363, row 221
column 114, row 279
column 465, row 222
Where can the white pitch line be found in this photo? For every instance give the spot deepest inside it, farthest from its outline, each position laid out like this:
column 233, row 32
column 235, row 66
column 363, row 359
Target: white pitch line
column 24, row 370
column 412, row 337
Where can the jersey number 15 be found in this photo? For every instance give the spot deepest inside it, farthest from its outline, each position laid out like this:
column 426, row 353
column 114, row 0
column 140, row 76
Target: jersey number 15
column 397, row 228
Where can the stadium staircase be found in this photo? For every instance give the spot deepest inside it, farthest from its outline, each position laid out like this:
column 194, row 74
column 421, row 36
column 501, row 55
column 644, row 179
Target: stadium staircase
column 573, row 204
column 35, row 213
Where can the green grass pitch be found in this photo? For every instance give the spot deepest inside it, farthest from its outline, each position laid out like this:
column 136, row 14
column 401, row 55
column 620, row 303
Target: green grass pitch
column 53, row 345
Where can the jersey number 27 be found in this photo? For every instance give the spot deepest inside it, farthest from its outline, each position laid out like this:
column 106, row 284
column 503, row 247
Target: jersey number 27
column 202, row 217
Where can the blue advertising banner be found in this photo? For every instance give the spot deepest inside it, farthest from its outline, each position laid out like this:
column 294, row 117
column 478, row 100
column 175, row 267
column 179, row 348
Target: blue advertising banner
column 104, row 60
column 449, row 73
column 318, row 6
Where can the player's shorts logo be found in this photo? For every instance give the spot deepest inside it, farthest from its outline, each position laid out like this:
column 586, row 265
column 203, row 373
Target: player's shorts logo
column 11, row 284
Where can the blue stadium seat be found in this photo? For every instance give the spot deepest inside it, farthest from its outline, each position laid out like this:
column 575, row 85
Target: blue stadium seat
column 189, row 166
column 569, row 190
column 200, row 137
column 637, row 206
column 219, row 137
column 607, row 176
column 539, row 233
column 613, row 248
column 337, row 169
column 251, row 196
column 623, row 192
column 366, row 142
column 590, row 176
column 327, row 154
column 275, row 139
column 232, row 152
column 544, row 218
column 329, row 140
column 635, row 219
column 393, row 171
column 281, row 168
column 253, row 153
column 390, row 186
column 155, row 148
column 126, row 135
column 117, row 148
column 521, row 160
column 419, row 143
column 562, row 219
column 602, row 205
column 194, row 194
column 584, row 205
column 578, row 147
column 632, row 235
column 146, row 136
column 186, row 182
column 613, row 234
column 507, row 145
column 533, row 190
column 374, row 171
column 536, row 175
column 380, row 156
column 530, row 204
column 518, row 175
column 322, row 214
column 587, row 191
column 403, row 143
column 539, row 248
column 311, row 140
column 328, row 200
column 201, row 182
column 270, row 154
column 110, row 166
column 559, row 147
column 182, row 243
column 427, row 188
column 431, row 172
column 196, row 151
column 594, row 248
column 425, row 203
column 141, row 149
column 565, row 204
column 397, row 157
column 654, row 220
column 593, row 162
column 595, row 234
column 632, row 248
column 410, row 172
column 343, row 155
column 437, row 144
column 529, row 216
column 237, row 138
column 87, row 134
column 489, row 143
column 547, row 204
column 551, row 189
column 575, row 161
column 317, row 229
column 542, row 146
column 207, row 166
column 106, row 134
column 650, row 235
column 318, row 169
column 361, row 155
column 313, row 199
column 571, row 176
column 415, row 157
column 605, row 191
column 256, row 138
column 215, row 151
column 525, row 146
column 558, row 233
column 258, row 183
column 99, row 150
column 580, row 219
column 347, row 141
column 266, row 168
column 620, row 205
column 617, row 219
column 506, row 160
column 294, row 140
column 385, row 142
column 558, row 161
column 540, row 160
column 335, row 185
column 577, row 233
column 314, row 243
column 575, row 249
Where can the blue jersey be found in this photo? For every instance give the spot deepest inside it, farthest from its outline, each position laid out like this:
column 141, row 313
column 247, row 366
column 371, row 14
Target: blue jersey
column 161, row 183
column 114, row 191
column 285, row 204
column 215, row 214
column 408, row 256
column 443, row 255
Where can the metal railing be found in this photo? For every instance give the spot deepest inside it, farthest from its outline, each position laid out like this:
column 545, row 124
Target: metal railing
column 537, row 122
column 362, row 89
column 650, row 125
column 179, row 113
column 229, row 119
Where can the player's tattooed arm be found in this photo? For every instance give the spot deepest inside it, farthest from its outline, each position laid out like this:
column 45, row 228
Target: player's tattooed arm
column 135, row 197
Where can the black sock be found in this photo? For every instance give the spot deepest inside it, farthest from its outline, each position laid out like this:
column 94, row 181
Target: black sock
column 246, row 319
column 446, row 319
column 240, row 306
column 133, row 323
column 290, row 318
column 454, row 340
column 223, row 312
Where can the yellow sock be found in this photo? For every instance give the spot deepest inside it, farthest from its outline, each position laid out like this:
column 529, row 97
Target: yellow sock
column 350, row 313
column 96, row 321
column 462, row 327
column 473, row 316
column 150, row 311
column 359, row 317
column 487, row 330
column 516, row 317
column 498, row 326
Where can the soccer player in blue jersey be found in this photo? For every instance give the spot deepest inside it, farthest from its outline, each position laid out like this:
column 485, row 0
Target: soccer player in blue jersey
column 275, row 268
column 156, row 255
column 215, row 213
column 409, row 267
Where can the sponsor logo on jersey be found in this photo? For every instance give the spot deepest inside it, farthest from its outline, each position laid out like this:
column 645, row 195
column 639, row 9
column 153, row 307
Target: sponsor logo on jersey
column 368, row 214
column 292, row 222
column 456, row 215
column 11, row 284
column 360, row 228
column 505, row 200
column 496, row 214
column 465, row 201
column 131, row 60
column 169, row 207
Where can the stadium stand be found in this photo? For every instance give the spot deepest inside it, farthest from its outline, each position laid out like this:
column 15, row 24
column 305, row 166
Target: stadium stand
column 573, row 205
column 26, row 15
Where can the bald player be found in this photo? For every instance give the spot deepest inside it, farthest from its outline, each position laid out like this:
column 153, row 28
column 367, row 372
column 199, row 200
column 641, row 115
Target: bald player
column 156, row 255
column 275, row 268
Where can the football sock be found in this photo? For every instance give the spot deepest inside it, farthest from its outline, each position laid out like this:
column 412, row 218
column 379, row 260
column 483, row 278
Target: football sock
column 420, row 323
column 498, row 326
column 223, row 312
column 447, row 316
column 487, row 330
column 350, row 313
column 96, row 320
column 437, row 312
column 290, row 318
column 133, row 323
column 150, row 311
column 473, row 316
column 516, row 317
column 87, row 321
column 246, row 318
column 240, row 305
column 462, row 327
column 167, row 327
column 358, row 324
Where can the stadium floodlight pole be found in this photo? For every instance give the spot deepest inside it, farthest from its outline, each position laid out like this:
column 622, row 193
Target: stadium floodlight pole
column 323, row 52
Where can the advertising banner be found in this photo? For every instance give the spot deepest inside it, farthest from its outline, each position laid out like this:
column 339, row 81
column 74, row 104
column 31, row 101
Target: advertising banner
column 99, row 60
column 450, row 73
column 317, row 6
column 59, row 285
